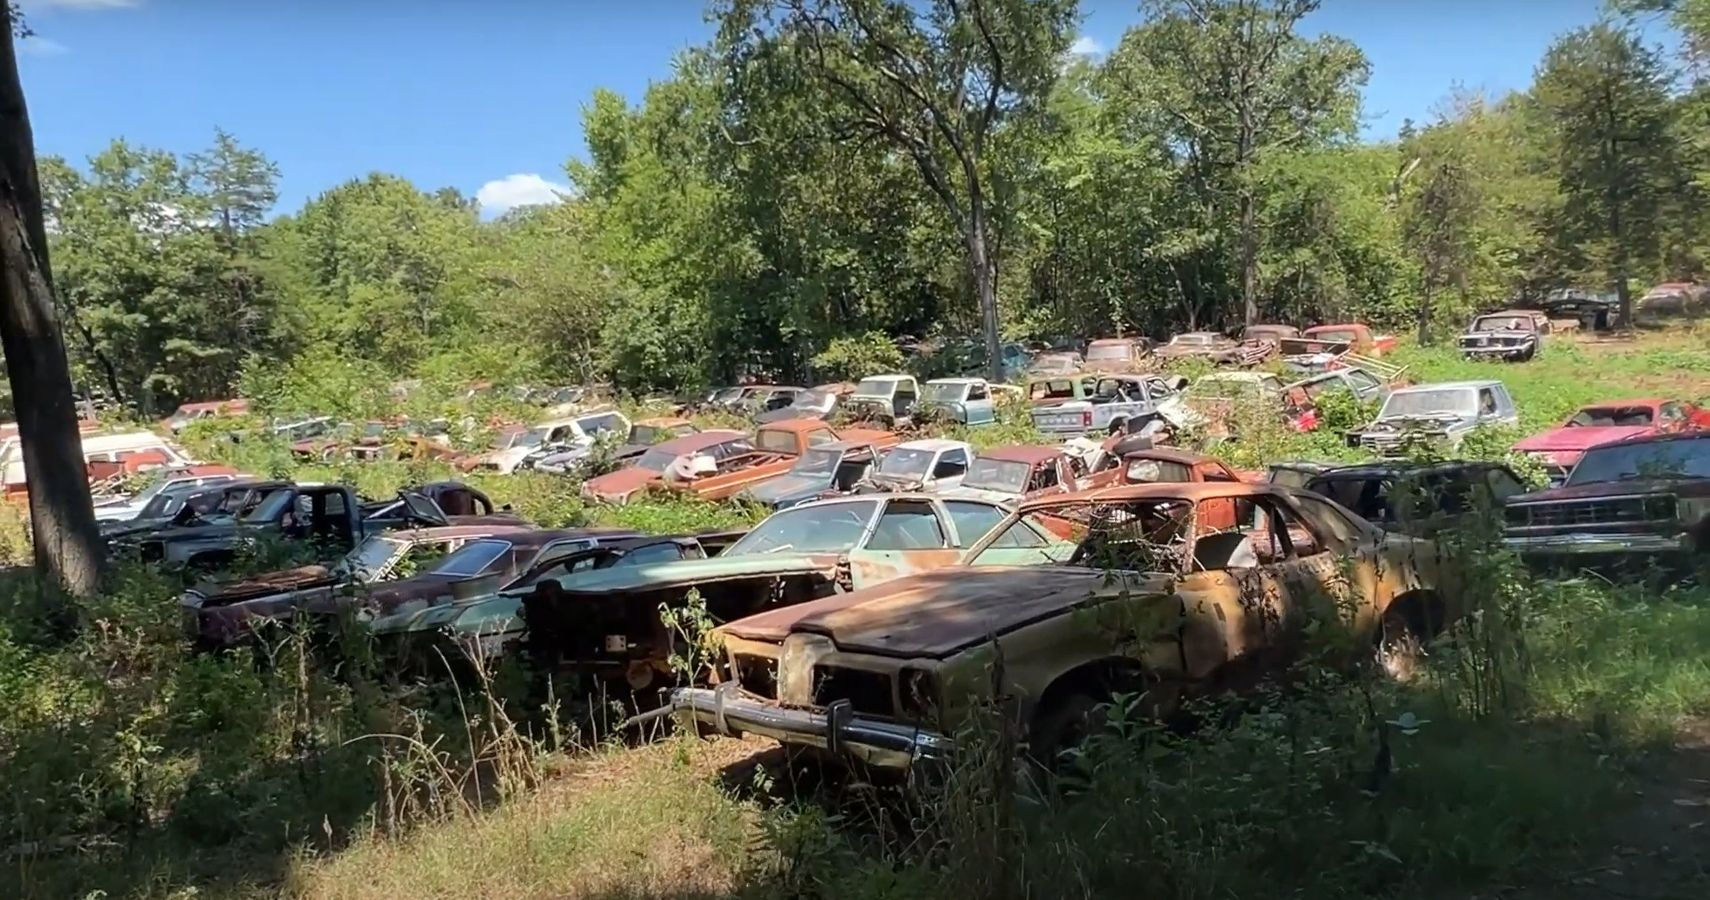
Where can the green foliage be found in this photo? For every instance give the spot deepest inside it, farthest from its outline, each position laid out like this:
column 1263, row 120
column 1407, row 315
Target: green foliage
column 854, row 357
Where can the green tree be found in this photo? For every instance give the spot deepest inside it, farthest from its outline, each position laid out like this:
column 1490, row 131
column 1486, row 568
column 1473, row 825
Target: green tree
column 1237, row 83
column 933, row 82
column 1603, row 103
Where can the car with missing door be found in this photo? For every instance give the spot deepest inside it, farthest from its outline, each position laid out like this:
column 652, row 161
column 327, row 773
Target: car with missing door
column 1136, row 595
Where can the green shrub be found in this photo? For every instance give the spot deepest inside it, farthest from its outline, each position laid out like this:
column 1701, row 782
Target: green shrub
column 855, row 357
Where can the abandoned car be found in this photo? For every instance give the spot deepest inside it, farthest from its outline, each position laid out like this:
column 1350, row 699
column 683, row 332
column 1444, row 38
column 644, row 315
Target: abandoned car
column 1558, row 449
column 1638, row 500
column 607, row 623
column 1439, row 415
column 1009, row 475
column 828, row 469
column 1515, row 335
column 930, row 465
column 675, row 457
column 1420, row 499
column 1098, row 404
column 1139, row 595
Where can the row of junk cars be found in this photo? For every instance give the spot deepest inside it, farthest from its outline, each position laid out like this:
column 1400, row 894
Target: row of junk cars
column 866, row 614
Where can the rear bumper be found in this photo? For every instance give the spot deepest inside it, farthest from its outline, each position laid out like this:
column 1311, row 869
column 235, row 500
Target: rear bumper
column 1595, row 544
column 837, row 730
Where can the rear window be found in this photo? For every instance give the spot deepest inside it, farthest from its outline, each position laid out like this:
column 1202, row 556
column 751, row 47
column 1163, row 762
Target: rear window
column 776, row 440
column 471, row 559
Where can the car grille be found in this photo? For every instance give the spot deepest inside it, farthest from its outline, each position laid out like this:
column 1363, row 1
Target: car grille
column 867, row 692
column 1612, row 511
column 757, row 675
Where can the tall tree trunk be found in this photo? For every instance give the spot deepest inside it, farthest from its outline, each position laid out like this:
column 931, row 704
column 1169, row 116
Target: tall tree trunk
column 62, row 521
column 1425, row 312
column 984, row 272
column 1249, row 259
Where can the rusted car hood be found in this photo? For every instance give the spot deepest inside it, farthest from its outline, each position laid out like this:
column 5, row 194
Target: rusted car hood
column 270, row 583
column 690, row 572
column 937, row 613
column 623, row 481
column 1683, row 487
column 1580, row 438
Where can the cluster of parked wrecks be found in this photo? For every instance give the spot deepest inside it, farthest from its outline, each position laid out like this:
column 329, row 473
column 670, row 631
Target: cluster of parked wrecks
column 864, row 615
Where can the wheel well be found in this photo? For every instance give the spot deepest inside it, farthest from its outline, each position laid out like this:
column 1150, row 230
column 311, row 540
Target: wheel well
column 1422, row 611
column 209, row 558
column 1096, row 678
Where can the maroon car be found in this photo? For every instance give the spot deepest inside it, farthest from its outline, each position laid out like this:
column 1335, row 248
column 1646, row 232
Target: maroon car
column 1638, row 500
column 388, row 573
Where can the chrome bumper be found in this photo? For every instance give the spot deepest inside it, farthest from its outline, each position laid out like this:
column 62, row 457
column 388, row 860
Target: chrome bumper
column 1493, row 350
column 1591, row 544
column 836, row 730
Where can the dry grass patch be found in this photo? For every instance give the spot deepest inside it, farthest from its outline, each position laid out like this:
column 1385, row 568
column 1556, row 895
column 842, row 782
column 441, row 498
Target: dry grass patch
column 647, row 823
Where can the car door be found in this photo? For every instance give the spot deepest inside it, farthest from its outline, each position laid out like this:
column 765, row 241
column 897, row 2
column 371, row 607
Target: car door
column 949, row 469
column 980, row 407
column 1232, row 600
column 908, row 535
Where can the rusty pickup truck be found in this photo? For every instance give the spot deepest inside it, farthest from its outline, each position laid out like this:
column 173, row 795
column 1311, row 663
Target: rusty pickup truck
column 776, row 447
column 1142, row 597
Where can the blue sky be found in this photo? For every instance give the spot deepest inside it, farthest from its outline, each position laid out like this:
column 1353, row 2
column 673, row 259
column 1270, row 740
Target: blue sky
column 485, row 95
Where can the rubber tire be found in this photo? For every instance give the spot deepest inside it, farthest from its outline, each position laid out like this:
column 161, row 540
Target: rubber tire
column 1075, row 718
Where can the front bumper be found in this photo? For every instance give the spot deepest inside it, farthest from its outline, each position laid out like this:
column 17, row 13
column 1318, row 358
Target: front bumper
column 1594, row 544
column 836, row 730
column 1504, row 351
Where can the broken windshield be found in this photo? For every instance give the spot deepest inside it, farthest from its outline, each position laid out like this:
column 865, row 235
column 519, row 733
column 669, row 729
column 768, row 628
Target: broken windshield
column 826, row 528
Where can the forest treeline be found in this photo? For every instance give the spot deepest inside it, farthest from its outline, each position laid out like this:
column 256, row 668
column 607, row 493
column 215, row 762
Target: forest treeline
column 827, row 168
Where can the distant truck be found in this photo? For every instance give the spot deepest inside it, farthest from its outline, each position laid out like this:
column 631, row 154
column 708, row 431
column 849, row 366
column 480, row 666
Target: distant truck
column 965, row 401
column 1068, row 406
column 886, row 399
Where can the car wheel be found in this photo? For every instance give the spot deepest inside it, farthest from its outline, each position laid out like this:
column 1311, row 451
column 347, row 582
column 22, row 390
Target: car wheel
column 1071, row 720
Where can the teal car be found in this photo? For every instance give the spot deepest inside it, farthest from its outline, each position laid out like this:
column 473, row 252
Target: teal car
column 967, row 401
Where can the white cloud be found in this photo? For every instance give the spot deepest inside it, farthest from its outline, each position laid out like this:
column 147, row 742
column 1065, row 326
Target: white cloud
column 35, row 45
column 1086, row 46
column 502, row 195
column 34, row 5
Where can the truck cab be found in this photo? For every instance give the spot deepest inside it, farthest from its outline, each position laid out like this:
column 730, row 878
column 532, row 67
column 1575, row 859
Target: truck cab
column 966, row 401
column 889, row 399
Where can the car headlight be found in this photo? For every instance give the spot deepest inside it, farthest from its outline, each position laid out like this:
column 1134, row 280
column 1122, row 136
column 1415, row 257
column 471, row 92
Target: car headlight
column 917, row 693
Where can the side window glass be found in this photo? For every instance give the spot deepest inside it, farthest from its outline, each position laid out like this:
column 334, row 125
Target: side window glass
column 908, row 525
column 972, row 520
column 1486, row 401
column 1503, row 485
column 1670, row 413
column 820, row 436
column 654, row 553
column 951, row 464
column 977, row 392
column 1332, row 519
column 1044, row 477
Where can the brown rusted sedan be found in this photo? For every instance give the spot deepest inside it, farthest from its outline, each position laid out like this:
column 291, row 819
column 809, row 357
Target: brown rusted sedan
column 1141, row 596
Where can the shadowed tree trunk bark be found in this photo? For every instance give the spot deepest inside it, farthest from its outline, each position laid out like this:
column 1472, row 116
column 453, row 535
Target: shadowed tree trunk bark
column 62, row 521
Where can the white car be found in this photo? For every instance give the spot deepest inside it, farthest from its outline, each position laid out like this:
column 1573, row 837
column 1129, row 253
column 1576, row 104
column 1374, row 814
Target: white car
column 124, row 509
column 930, row 465
column 551, row 438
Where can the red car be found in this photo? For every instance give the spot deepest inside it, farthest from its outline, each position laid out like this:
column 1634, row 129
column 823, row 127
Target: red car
column 1560, row 448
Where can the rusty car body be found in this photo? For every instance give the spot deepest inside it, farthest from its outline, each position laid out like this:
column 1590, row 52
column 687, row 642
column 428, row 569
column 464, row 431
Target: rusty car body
column 607, row 623
column 388, row 575
column 1009, row 475
column 1140, row 597
column 1124, row 354
column 1559, row 448
column 1640, row 500
column 675, row 455
column 822, row 471
column 776, row 447
column 1211, row 346
column 1419, row 498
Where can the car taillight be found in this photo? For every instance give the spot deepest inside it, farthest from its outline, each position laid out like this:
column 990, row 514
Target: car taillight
column 1086, row 418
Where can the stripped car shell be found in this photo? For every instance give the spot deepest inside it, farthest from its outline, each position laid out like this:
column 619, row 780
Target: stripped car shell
column 607, row 623
column 1143, row 597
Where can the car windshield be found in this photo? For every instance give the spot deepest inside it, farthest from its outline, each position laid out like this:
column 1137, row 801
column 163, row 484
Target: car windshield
column 1007, row 475
column 166, row 501
column 944, row 392
column 1110, row 351
column 876, row 387
column 727, row 395
column 1341, row 335
column 776, row 440
column 1626, row 462
column 817, row 463
column 594, row 426
column 656, row 460
column 1505, row 323
column 1191, row 340
column 471, row 559
column 824, row 528
column 1151, row 471
column 370, row 557
column 1148, row 536
column 1612, row 417
column 269, row 509
column 1320, row 386
column 907, row 462
column 816, row 400
column 1447, row 401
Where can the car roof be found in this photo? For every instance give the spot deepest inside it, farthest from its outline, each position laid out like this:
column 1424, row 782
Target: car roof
column 933, row 444
column 887, row 377
column 1192, row 492
column 1253, row 377
column 1448, row 385
column 956, row 381
column 1199, row 334
column 1633, row 401
column 1656, row 439
column 796, row 425
column 1169, row 454
column 1406, row 467
column 663, row 421
column 1026, row 453
column 842, row 446
column 700, row 440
